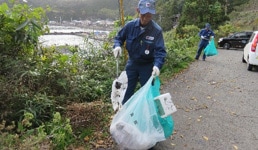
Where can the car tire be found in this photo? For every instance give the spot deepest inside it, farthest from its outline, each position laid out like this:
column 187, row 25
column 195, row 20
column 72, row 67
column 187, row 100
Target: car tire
column 249, row 67
column 226, row 46
column 243, row 60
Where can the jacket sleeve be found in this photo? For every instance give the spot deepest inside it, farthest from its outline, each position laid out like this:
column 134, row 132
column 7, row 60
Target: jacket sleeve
column 160, row 51
column 120, row 37
column 200, row 33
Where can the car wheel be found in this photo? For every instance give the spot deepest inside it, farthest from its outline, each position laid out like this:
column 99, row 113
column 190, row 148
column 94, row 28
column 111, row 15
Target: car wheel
column 243, row 60
column 249, row 67
column 226, row 46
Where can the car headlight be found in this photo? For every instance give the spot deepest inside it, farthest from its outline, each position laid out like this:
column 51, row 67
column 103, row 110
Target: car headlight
column 220, row 39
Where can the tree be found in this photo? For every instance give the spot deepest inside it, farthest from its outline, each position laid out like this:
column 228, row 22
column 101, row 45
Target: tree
column 168, row 12
column 199, row 12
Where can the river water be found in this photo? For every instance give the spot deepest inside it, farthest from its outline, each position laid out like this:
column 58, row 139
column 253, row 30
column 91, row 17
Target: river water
column 69, row 39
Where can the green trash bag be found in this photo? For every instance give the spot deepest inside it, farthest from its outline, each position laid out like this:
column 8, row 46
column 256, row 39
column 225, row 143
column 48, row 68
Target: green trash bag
column 210, row 49
column 137, row 125
column 167, row 122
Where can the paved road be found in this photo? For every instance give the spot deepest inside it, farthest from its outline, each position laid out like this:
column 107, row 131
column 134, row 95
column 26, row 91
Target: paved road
column 217, row 102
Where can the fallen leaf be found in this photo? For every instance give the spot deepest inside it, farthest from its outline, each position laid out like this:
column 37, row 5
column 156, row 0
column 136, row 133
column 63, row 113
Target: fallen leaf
column 233, row 113
column 235, row 147
column 100, row 142
column 193, row 98
column 86, row 139
column 212, row 83
column 79, row 148
column 205, row 138
column 187, row 110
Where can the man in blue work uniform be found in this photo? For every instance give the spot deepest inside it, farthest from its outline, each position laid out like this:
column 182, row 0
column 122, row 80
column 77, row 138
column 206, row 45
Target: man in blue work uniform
column 145, row 46
column 205, row 35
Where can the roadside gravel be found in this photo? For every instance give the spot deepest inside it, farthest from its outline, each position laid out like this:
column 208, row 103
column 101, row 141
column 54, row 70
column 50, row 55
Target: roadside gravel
column 217, row 105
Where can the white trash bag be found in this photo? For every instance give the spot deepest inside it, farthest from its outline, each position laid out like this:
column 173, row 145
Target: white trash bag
column 136, row 125
column 119, row 87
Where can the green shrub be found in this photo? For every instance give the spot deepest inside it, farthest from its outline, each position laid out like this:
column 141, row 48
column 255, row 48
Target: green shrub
column 24, row 137
column 225, row 30
column 180, row 51
column 21, row 25
column 60, row 132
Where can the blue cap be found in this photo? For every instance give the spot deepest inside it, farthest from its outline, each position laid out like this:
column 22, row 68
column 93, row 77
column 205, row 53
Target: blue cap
column 207, row 25
column 147, row 6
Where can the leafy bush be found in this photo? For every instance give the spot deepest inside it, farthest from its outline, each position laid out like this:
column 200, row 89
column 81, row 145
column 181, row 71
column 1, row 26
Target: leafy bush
column 225, row 30
column 188, row 31
column 24, row 137
column 21, row 26
column 180, row 51
column 55, row 134
column 60, row 132
column 42, row 80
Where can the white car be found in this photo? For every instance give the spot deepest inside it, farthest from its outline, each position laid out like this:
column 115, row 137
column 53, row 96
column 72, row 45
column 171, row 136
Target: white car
column 250, row 55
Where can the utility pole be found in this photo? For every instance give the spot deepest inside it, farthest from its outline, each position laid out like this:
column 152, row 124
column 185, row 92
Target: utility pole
column 121, row 10
column 121, row 13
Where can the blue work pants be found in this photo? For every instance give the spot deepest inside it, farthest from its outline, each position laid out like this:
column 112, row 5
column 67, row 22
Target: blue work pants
column 136, row 72
column 201, row 46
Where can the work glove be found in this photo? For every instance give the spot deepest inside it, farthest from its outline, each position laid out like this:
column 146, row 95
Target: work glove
column 155, row 71
column 117, row 51
column 212, row 37
column 202, row 37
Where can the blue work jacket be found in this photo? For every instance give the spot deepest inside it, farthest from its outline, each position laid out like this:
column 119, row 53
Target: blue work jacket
column 143, row 45
column 207, row 33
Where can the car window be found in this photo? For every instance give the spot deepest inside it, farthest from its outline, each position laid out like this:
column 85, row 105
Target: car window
column 235, row 35
column 239, row 35
column 251, row 38
column 249, row 34
column 242, row 35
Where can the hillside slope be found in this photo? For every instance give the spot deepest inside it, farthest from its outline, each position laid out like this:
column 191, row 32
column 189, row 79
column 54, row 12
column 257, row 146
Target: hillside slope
column 246, row 16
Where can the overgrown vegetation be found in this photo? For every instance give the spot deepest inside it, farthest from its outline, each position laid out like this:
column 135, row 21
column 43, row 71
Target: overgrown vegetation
column 41, row 82
column 52, row 100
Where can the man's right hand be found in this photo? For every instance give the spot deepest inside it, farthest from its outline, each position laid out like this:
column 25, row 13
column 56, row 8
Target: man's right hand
column 117, row 51
column 155, row 71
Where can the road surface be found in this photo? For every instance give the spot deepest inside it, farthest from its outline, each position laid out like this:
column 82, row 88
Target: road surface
column 217, row 105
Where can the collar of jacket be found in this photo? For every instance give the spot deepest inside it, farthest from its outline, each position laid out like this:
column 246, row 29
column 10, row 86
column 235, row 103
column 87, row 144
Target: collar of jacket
column 149, row 26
